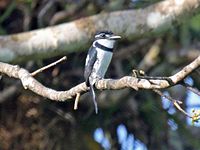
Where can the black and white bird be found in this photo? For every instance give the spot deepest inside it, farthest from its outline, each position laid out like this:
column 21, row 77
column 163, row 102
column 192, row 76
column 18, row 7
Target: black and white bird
column 98, row 59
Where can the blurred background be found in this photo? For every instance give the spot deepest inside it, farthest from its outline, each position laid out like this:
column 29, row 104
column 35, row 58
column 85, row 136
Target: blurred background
column 128, row 120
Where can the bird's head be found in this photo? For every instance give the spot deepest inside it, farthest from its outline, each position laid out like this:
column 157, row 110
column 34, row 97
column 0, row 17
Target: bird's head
column 106, row 38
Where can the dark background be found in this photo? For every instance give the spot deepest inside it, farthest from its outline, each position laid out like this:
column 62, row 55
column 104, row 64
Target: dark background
column 127, row 119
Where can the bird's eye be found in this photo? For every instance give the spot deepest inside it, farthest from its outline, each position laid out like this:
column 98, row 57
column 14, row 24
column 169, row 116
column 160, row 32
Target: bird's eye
column 103, row 35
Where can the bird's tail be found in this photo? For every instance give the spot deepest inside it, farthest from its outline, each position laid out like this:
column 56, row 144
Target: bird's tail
column 94, row 98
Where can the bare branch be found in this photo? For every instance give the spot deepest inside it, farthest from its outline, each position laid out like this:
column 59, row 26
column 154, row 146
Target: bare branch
column 186, row 70
column 32, row 84
column 75, row 35
column 48, row 66
column 182, row 110
column 174, row 101
column 76, row 101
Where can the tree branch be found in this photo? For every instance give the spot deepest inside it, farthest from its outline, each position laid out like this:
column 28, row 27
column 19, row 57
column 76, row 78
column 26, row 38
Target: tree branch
column 48, row 66
column 75, row 35
column 32, row 84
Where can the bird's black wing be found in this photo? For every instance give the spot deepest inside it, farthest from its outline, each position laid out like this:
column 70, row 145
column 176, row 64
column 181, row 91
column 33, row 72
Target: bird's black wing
column 90, row 60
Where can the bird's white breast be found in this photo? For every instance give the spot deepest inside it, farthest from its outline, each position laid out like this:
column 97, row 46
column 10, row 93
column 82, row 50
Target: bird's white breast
column 103, row 60
column 101, row 64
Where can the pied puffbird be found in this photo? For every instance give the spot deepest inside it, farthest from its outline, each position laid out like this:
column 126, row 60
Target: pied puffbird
column 98, row 59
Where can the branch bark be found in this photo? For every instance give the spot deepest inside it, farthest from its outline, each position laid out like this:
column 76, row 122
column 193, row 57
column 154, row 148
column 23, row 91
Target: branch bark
column 75, row 35
column 32, row 84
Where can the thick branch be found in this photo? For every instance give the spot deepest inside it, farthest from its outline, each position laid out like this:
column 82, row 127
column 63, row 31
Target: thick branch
column 128, row 81
column 74, row 36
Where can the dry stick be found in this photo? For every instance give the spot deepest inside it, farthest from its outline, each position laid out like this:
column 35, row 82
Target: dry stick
column 12, row 89
column 175, row 102
column 48, row 66
column 181, row 109
column 53, row 64
column 76, row 101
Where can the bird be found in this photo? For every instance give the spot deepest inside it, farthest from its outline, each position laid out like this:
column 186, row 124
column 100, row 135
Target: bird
column 98, row 59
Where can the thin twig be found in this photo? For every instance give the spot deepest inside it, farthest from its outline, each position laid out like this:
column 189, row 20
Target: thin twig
column 76, row 101
column 189, row 87
column 48, row 66
column 166, row 96
column 175, row 102
column 181, row 109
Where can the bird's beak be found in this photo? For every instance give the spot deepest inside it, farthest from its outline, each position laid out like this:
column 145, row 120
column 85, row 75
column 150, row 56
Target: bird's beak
column 115, row 37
